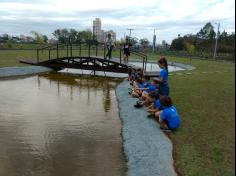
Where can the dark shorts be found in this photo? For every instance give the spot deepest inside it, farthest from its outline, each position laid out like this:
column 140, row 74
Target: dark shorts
column 126, row 52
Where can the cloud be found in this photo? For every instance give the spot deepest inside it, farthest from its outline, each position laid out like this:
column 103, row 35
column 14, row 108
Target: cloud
column 170, row 18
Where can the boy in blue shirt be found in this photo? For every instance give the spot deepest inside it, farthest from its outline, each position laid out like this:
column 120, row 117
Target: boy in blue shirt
column 168, row 117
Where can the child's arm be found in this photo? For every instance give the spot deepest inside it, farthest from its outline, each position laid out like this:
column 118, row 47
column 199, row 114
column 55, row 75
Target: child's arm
column 142, row 88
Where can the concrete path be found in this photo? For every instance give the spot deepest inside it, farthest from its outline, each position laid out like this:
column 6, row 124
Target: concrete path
column 148, row 150
column 22, row 71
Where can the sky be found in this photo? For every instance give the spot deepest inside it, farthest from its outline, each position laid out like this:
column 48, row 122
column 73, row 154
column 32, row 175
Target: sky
column 168, row 17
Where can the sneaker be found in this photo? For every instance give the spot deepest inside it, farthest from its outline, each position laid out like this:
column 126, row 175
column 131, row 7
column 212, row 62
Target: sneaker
column 138, row 105
column 139, row 102
column 165, row 129
column 150, row 116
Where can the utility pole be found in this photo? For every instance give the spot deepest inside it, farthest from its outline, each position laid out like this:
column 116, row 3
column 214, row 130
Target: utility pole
column 217, row 35
column 154, row 41
column 130, row 31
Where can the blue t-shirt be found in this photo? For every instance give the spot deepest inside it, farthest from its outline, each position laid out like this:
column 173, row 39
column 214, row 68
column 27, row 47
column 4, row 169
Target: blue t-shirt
column 171, row 116
column 151, row 88
column 146, row 84
column 141, row 85
column 157, row 104
column 164, row 75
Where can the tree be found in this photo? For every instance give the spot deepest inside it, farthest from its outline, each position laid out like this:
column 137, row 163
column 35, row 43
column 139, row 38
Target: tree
column 190, row 48
column 74, row 36
column 45, row 38
column 178, row 44
column 207, row 32
column 38, row 37
column 144, row 42
column 85, row 35
column 62, row 35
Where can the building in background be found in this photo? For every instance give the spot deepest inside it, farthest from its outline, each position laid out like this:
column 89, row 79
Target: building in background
column 99, row 34
column 97, row 29
column 113, row 35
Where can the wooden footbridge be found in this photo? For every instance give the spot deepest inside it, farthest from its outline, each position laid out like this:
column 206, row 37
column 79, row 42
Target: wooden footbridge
column 85, row 56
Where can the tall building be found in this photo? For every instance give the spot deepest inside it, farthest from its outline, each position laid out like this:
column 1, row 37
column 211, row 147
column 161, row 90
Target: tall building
column 99, row 34
column 97, row 29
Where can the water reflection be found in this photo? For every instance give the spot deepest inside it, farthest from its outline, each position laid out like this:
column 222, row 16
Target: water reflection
column 84, row 83
column 60, row 125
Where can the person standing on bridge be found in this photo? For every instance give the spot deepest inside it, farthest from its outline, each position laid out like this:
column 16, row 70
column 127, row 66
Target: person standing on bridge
column 110, row 45
column 126, row 50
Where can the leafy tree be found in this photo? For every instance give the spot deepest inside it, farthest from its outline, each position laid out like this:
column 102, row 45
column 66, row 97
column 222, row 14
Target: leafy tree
column 190, row 48
column 178, row 44
column 85, row 35
column 144, row 42
column 45, row 38
column 38, row 37
column 207, row 32
column 62, row 35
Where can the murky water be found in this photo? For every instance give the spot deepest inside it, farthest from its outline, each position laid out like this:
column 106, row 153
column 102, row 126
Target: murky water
column 60, row 125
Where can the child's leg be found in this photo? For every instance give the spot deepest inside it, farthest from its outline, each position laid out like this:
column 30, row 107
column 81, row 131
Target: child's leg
column 134, row 94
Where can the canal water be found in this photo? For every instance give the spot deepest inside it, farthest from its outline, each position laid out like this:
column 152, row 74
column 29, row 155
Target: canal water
column 60, row 125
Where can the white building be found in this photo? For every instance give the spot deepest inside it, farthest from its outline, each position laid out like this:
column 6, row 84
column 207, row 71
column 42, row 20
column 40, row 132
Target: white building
column 99, row 34
column 97, row 29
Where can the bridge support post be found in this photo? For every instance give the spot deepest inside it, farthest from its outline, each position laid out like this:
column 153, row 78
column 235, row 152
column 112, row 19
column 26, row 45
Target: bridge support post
column 104, row 52
column 89, row 49
column 94, row 72
column 37, row 55
column 120, row 55
column 79, row 49
column 96, row 49
column 71, row 54
column 49, row 54
column 57, row 52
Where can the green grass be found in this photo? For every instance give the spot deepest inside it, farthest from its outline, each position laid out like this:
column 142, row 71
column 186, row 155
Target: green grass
column 205, row 143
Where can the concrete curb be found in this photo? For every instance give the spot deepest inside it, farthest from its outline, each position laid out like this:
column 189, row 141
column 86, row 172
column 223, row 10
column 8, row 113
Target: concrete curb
column 148, row 149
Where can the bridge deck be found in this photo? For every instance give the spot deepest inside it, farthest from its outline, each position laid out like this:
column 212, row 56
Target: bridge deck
column 65, row 65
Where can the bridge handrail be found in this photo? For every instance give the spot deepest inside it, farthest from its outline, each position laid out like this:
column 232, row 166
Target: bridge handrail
column 69, row 48
column 54, row 46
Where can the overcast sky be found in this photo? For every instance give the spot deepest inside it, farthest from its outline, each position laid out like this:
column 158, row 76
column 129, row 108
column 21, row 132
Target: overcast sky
column 168, row 17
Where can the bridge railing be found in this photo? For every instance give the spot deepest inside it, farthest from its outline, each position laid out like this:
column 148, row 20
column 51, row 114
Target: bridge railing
column 84, row 49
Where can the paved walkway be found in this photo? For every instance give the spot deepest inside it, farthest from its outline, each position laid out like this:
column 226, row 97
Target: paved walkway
column 22, row 71
column 148, row 149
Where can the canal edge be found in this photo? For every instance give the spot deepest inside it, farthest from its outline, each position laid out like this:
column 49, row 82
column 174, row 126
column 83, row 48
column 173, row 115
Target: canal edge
column 159, row 163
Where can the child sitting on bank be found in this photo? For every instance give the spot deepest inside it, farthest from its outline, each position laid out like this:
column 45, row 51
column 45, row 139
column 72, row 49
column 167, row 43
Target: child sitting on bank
column 154, row 107
column 168, row 118
column 139, row 85
column 146, row 99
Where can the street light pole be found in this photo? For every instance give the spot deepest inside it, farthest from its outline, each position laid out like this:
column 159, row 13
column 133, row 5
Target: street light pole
column 217, row 35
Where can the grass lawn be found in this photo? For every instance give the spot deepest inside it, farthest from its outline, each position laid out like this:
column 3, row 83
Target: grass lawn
column 205, row 99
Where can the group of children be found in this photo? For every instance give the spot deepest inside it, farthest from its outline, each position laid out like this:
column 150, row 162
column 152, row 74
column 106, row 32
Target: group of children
column 155, row 95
